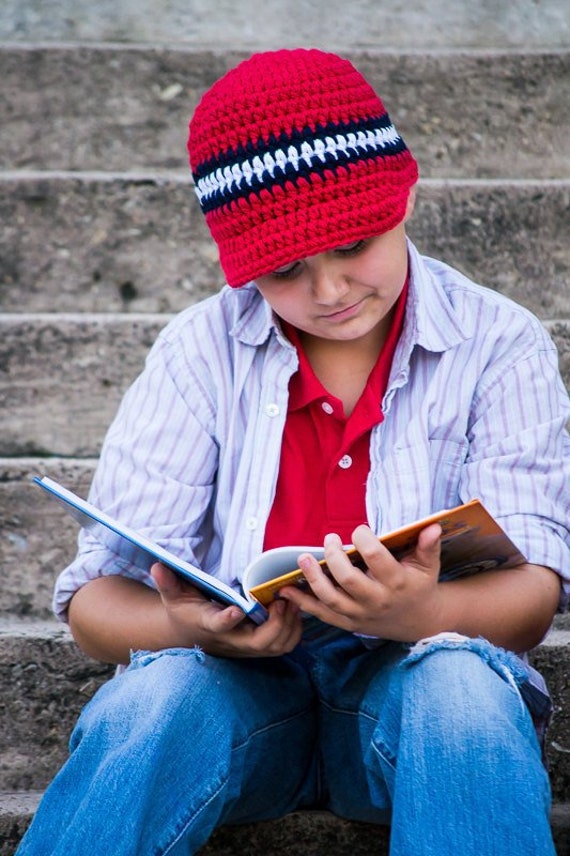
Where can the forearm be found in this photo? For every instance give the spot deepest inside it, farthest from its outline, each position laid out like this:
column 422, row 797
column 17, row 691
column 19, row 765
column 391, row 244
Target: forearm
column 112, row 615
column 511, row 608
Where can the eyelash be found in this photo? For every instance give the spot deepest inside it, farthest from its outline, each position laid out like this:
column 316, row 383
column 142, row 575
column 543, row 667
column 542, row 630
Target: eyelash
column 349, row 250
column 288, row 273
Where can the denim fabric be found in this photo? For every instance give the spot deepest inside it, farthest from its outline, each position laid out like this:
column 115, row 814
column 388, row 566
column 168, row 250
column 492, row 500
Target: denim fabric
column 436, row 740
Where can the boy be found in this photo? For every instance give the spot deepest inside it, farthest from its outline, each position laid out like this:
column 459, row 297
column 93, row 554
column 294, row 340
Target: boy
column 342, row 385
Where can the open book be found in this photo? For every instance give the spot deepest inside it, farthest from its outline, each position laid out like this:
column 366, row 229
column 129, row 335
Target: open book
column 472, row 541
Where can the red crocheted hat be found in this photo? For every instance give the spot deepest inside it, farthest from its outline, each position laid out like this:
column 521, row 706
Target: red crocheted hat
column 293, row 154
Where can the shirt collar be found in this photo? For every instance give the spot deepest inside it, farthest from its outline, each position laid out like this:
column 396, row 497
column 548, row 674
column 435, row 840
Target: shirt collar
column 254, row 318
column 304, row 385
column 431, row 321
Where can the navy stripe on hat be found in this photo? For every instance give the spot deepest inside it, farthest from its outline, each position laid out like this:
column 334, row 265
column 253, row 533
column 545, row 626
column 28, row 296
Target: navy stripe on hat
column 249, row 169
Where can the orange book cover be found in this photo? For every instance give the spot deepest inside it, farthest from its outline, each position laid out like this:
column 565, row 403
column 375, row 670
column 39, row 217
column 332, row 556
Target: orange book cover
column 471, row 541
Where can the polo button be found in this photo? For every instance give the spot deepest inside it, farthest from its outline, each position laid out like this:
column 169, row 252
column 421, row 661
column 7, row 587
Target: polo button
column 251, row 523
column 272, row 410
column 345, row 462
column 328, row 408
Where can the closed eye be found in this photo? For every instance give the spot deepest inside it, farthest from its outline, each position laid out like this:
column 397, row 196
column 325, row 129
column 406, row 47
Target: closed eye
column 350, row 249
column 287, row 271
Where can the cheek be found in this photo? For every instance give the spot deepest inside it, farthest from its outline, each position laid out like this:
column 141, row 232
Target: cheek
column 283, row 299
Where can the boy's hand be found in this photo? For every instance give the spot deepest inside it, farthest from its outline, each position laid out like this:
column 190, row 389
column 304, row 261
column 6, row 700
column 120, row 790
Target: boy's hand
column 392, row 600
column 224, row 631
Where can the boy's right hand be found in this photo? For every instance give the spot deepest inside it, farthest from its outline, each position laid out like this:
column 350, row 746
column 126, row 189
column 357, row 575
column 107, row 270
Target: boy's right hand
column 193, row 619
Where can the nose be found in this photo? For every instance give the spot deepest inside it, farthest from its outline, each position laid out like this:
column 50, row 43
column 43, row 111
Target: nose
column 328, row 284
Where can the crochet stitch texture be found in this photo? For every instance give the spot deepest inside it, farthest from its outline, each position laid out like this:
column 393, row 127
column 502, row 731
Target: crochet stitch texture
column 292, row 154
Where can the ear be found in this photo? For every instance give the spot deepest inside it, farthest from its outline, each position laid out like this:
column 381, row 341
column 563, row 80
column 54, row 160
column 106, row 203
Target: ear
column 410, row 204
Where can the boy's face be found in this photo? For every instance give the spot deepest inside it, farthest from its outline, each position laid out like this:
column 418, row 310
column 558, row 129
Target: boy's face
column 345, row 294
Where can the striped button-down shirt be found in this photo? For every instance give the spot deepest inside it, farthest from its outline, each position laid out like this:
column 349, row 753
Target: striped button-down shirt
column 475, row 407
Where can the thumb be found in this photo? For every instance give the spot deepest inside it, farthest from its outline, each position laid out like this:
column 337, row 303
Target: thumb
column 427, row 554
column 167, row 582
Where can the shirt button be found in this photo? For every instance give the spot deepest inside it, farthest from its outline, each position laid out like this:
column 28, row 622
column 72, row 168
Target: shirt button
column 345, row 462
column 272, row 410
column 328, row 408
column 251, row 523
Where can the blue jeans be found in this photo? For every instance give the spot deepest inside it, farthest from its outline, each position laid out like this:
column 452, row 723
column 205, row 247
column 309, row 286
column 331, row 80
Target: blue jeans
column 435, row 740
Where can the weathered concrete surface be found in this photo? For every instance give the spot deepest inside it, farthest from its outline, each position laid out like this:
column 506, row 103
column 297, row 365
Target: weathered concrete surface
column 38, row 539
column 463, row 114
column 61, row 378
column 140, row 243
column 45, row 682
column 422, row 24
column 311, row 833
column 552, row 659
column 103, row 244
column 16, row 811
column 314, row 833
column 508, row 236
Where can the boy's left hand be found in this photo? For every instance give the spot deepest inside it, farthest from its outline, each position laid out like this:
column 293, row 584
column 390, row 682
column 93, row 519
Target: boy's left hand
column 392, row 600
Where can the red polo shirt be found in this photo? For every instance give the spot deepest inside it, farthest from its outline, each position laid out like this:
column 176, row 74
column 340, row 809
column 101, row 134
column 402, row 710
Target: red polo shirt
column 325, row 457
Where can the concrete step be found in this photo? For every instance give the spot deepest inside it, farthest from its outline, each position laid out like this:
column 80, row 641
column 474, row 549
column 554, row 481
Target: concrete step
column 38, row 537
column 525, row 24
column 312, row 833
column 138, row 243
column 46, row 680
column 115, row 107
column 62, row 376
column 552, row 659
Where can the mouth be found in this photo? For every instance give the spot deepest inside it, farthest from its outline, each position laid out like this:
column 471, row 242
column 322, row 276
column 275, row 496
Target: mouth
column 343, row 312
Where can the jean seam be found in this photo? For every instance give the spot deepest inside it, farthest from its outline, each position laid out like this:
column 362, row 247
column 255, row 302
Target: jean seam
column 270, row 727
column 235, row 748
column 189, row 819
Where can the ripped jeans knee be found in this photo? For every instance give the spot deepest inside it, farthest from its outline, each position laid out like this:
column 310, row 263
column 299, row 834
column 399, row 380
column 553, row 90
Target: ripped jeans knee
column 527, row 684
column 505, row 663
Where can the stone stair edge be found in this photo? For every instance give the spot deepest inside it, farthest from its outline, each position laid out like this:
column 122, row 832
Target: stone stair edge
column 184, row 176
column 126, row 242
column 316, row 830
column 86, row 317
column 15, row 627
column 18, row 807
column 246, row 48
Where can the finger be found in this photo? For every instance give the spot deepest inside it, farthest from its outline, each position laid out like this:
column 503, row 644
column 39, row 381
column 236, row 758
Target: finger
column 214, row 617
column 290, row 626
column 167, row 582
column 426, row 556
column 220, row 620
column 284, row 618
column 324, row 599
column 276, row 636
column 324, row 584
column 385, row 568
column 355, row 571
